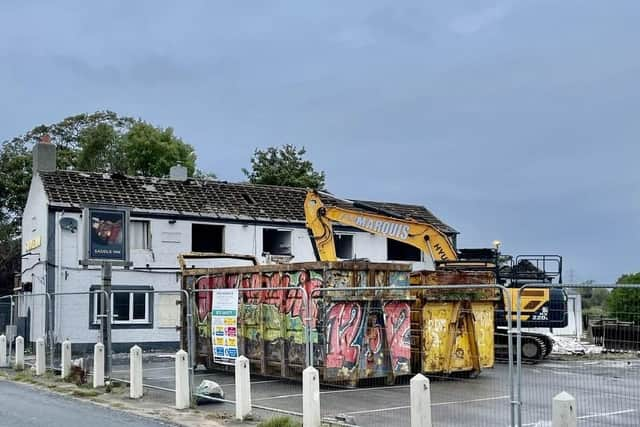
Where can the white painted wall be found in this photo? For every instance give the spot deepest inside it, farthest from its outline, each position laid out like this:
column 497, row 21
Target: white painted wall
column 34, row 225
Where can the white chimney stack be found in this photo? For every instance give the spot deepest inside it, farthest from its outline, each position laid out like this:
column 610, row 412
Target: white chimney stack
column 178, row 172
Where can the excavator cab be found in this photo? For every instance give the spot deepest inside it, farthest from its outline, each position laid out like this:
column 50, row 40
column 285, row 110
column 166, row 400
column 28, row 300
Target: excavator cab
column 542, row 307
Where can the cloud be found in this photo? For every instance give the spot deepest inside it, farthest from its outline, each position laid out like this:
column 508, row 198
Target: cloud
column 469, row 24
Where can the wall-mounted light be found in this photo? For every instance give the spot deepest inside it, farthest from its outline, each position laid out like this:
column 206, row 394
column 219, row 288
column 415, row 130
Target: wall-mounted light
column 172, row 221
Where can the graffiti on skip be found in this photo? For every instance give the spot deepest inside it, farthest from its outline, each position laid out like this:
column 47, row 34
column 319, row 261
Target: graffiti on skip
column 344, row 334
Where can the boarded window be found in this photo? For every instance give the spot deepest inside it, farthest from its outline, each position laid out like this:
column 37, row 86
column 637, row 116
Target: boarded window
column 276, row 242
column 207, row 238
column 344, row 246
column 398, row 251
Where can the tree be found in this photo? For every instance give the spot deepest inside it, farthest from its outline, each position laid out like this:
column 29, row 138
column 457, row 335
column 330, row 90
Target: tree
column 100, row 141
column 284, row 166
column 624, row 303
column 151, row 151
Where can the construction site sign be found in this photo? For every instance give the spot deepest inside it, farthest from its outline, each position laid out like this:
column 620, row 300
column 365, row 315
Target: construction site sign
column 224, row 326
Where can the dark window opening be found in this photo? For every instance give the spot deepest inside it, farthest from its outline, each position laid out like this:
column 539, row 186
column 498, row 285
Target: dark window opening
column 120, row 306
column 207, row 238
column 276, row 242
column 344, row 246
column 398, row 251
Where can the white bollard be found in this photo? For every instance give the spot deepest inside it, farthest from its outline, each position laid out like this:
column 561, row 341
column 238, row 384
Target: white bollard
column 3, row 351
column 41, row 366
column 66, row 359
column 135, row 372
column 310, row 397
column 182, row 380
column 98, row 365
column 563, row 413
column 243, row 388
column 19, row 353
column 420, row 401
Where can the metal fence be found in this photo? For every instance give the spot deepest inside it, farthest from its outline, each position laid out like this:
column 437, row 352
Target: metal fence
column 601, row 368
column 368, row 342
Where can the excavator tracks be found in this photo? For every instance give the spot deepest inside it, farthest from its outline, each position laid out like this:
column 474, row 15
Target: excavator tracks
column 534, row 347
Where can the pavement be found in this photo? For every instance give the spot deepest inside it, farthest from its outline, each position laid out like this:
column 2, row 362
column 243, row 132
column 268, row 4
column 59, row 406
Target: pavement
column 607, row 393
column 27, row 406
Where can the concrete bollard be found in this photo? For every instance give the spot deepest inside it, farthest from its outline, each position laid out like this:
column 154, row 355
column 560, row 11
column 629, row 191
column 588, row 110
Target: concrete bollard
column 3, row 352
column 243, row 388
column 19, row 354
column 182, row 380
column 310, row 397
column 98, row 365
column 563, row 413
column 41, row 365
column 420, row 401
column 135, row 372
column 66, row 359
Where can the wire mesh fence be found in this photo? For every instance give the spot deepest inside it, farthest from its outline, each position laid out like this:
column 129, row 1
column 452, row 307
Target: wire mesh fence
column 599, row 366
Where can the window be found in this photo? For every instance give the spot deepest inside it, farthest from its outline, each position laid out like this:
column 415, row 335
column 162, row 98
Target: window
column 398, row 251
column 129, row 306
column 276, row 242
column 139, row 235
column 207, row 238
column 344, row 246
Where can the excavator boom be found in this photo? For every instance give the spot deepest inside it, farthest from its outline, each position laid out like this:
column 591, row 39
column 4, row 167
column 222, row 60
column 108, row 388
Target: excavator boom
column 420, row 235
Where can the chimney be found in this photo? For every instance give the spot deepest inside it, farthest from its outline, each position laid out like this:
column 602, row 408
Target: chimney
column 178, row 172
column 44, row 155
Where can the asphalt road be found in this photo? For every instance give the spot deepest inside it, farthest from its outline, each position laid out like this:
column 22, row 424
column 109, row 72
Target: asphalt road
column 25, row 406
column 607, row 393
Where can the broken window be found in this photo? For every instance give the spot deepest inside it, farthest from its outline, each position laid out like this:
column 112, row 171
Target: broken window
column 399, row 251
column 344, row 246
column 207, row 238
column 276, row 242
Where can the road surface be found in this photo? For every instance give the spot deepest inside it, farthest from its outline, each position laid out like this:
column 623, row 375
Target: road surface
column 26, row 406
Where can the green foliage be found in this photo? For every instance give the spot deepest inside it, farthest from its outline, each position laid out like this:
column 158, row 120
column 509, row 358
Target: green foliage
column 280, row 422
column 151, row 151
column 624, row 303
column 284, row 166
column 100, row 149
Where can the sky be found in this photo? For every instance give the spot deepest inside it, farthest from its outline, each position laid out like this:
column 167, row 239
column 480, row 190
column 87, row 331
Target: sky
column 514, row 120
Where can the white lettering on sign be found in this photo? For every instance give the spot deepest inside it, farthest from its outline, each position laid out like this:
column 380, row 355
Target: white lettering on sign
column 387, row 228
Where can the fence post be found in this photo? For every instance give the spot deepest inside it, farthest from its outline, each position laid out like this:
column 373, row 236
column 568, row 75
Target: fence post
column 41, row 366
column 66, row 359
column 135, row 372
column 182, row 380
column 3, row 351
column 310, row 397
column 19, row 353
column 243, row 388
column 563, row 412
column 98, row 365
column 420, row 401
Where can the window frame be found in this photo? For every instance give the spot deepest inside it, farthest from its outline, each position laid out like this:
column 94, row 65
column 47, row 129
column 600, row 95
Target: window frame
column 146, row 227
column 146, row 323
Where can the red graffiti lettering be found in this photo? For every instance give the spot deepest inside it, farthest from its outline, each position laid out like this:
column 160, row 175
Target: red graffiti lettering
column 397, row 320
column 344, row 321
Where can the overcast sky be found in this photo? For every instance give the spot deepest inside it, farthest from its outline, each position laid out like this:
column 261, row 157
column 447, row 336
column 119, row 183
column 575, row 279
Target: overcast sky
column 512, row 120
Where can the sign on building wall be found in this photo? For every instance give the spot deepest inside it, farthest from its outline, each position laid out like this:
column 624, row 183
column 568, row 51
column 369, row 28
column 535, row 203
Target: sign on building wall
column 224, row 326
column 106, row 234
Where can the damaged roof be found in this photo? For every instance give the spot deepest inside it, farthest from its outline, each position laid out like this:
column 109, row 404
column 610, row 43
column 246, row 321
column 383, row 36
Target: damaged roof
column 204, row 197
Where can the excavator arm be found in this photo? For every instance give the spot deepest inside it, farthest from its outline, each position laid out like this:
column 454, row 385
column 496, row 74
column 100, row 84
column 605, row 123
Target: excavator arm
column 423, row 236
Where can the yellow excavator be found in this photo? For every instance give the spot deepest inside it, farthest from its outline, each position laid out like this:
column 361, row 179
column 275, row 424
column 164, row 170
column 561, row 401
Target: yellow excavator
column 541, row 307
